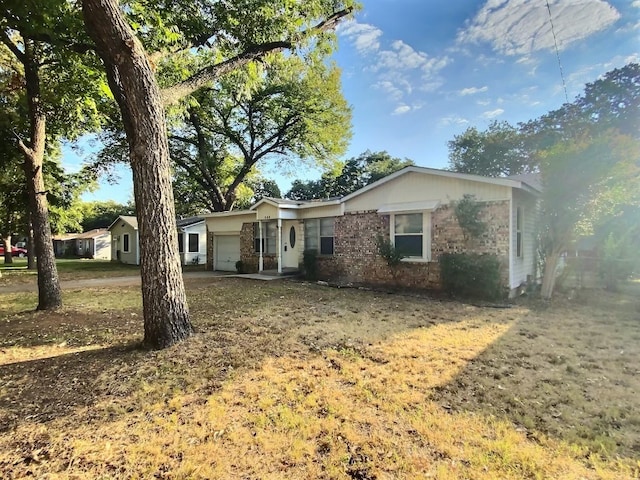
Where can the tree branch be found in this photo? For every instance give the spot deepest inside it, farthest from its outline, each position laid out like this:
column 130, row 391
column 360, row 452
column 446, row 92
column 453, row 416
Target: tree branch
column 206, row 75
column 12, row 46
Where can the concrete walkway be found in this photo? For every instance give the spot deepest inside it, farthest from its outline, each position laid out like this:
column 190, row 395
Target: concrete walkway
column 130, row 280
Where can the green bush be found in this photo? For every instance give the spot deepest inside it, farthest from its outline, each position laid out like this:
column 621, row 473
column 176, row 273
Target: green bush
column 240, row 268
column 310, row 261
column 471, row 275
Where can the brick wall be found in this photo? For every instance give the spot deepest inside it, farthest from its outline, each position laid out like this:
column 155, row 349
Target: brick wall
column 356, row 256
column 249, row 257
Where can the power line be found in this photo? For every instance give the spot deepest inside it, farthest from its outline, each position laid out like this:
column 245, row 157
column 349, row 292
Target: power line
column 555, row 42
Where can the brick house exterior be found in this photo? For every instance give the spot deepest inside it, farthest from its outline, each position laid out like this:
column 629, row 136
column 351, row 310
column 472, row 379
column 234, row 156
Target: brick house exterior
column 356, row 221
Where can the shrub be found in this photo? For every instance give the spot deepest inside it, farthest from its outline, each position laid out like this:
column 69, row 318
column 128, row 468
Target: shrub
column 467, row 211
column 471, row 275
column 391, row 255
column 240, row 268
column 310, row 261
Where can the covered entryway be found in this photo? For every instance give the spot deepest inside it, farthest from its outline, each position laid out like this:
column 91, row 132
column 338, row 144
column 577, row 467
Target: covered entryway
column 227, row 252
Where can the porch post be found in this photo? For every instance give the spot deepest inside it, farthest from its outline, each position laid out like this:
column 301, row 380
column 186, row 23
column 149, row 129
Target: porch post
column 279, row 245
column 261, row 261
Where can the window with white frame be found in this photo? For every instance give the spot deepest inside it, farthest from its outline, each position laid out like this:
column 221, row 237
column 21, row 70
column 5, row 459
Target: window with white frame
column 269, row 234
column 410, row 234
column 194, row 240
column 319, row 235
column 125, row 243
column 519, row 220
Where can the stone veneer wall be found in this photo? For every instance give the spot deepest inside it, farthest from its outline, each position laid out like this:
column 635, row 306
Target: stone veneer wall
column 249, row 257
column 356, row 256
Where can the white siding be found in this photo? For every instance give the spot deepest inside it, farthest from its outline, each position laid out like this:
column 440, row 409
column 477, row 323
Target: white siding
column 103, row 247
column 229, row 223
column 524, row 265
column 117, row 243
column 321, row 212
column 189, row 258
column 420, row 187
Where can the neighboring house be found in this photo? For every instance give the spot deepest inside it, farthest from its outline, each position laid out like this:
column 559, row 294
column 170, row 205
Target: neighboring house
column 125, row 240
column 64, row 245
column 92, row 244
column 192, row 240
column 413, row 208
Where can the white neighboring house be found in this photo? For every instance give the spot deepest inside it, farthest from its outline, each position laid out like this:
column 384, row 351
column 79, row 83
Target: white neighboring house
column 192, row 240
column 125, row 240
column 94, row 244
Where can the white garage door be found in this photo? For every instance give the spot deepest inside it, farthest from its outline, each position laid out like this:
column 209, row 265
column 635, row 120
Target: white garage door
column 227, row 252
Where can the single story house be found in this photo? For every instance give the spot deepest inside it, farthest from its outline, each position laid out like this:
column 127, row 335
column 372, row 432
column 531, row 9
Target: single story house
column 192, row 240
column 92, row 244
column 125, row 240
column 413, row 208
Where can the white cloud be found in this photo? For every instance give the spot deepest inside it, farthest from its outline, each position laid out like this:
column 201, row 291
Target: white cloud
column 452, row 120
column 365, row 37
column 635, row 3
column 472, row 91
column 398, row 68
column 521, row 27
column 402, row 109
column 493, row 113
column 483, row 103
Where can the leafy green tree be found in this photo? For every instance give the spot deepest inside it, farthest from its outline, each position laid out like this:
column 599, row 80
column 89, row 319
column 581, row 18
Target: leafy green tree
column 496, row 152
column 101, row 214
column 226, row 36
column 357, row 172
column 293, row 110
column 56, row 100
column 577, row 176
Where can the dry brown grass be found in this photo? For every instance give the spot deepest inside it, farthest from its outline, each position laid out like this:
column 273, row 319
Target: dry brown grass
column 287, row 380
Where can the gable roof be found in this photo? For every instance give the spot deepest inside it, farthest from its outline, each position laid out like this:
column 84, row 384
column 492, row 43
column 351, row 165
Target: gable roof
column 286, row 203
column 503, row 181
column 188, row 221
column 96, row 232
column 129, row 219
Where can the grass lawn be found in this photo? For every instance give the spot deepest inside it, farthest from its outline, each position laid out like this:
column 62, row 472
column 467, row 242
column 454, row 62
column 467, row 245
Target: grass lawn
column 68, row 269
column 288, row 380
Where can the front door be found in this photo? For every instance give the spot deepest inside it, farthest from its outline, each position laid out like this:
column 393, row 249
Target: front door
column 290, row 244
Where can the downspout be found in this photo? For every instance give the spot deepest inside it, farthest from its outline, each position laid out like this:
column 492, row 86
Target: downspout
column 279, row 245
column 510, row 249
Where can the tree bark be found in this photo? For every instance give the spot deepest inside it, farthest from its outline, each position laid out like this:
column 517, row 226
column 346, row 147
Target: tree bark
column 8, row 257
column 49, row 293
column 549, row 275
column 132, row 81
column 31, row 245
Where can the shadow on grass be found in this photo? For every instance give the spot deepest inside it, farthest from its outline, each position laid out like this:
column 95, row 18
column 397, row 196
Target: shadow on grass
column 47, row 388
column 569, row 371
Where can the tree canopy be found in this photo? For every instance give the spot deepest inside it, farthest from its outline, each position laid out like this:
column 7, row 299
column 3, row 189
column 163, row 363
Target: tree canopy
column 357, row 172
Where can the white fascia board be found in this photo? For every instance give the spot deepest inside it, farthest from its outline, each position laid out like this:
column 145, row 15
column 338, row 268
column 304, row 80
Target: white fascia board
column 409, row 206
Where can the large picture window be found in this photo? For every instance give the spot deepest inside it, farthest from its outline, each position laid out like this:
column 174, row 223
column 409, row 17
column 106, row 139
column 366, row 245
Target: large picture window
column 269, row 234
column 319, row 235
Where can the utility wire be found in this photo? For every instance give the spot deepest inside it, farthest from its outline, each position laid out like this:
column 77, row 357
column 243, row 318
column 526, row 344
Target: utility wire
column 555, row 42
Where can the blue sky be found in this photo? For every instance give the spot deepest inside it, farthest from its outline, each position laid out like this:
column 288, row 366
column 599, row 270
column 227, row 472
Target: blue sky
column 418, row 72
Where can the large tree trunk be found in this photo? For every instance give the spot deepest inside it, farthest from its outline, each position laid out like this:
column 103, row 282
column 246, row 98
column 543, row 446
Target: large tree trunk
column 8, row 257
column 49, row 294
column 132, row 81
